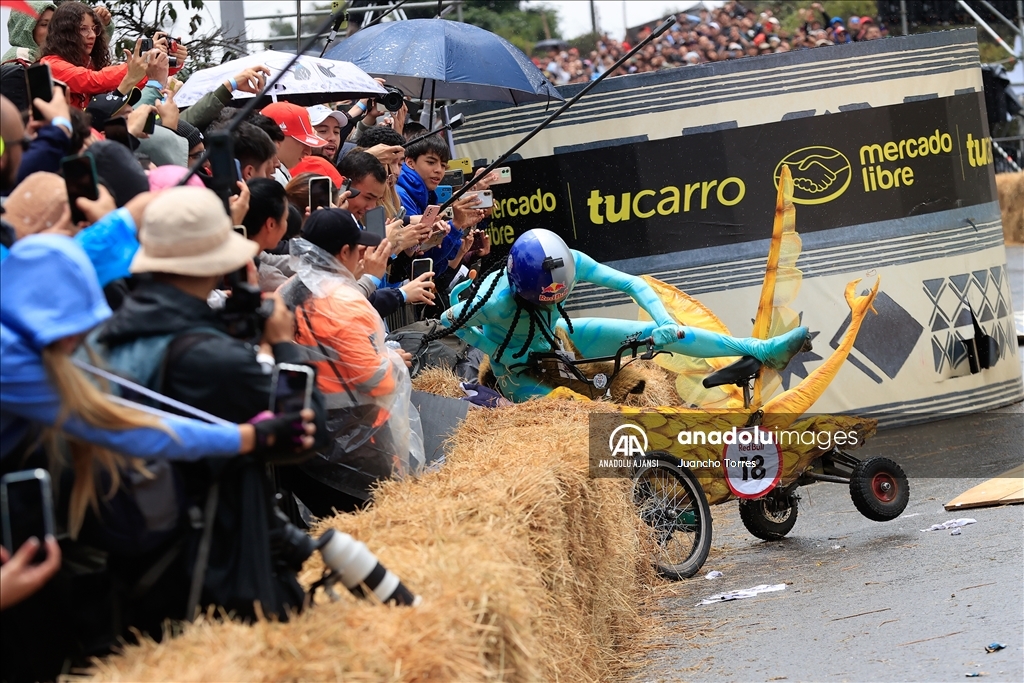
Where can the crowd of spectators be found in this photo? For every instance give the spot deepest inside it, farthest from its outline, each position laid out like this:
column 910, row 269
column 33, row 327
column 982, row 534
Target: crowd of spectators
column 187, row 492
column 728, row 32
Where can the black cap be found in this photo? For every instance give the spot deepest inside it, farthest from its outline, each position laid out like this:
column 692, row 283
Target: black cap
column 332, row 229
column 108, row 105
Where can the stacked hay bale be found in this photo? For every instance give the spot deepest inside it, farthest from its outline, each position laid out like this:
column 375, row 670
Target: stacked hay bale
column 1011, row 204
column 529, row 570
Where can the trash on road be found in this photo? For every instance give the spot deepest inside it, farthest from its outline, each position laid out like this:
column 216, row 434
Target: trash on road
column 994, row 647
column 955, row 531
column 973, row 674
column 951, row 524
column 742, row 594
column 714, row 575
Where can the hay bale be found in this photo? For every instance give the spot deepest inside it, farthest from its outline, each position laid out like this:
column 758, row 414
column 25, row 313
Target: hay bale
column 440, row 381
column 529, row 570
column 1011, row 204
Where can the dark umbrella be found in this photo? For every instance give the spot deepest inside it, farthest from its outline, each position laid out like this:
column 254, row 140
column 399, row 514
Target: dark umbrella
column 438, row 59
column 556, row 43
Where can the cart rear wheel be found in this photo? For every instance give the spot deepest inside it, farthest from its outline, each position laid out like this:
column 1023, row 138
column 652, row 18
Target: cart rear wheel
column 879, row 489
column 767, row 519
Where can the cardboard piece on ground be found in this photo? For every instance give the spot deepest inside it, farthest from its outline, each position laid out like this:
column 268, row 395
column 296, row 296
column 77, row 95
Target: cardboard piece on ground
column 441, row 418
column 1006, row 489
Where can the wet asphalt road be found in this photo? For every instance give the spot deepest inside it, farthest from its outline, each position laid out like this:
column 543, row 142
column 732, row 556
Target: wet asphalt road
column 866, row 601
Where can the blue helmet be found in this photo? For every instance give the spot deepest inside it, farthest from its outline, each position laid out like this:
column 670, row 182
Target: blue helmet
column 541, row 267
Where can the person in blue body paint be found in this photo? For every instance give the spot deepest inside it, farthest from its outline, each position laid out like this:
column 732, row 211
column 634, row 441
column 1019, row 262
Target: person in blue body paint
column 515, row 312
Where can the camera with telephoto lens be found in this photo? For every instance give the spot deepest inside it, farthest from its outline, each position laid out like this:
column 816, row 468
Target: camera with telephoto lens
column 393, row 99
column 245, row 312
column 348, row 561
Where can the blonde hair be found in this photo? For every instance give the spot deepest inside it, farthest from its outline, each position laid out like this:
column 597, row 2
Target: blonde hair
column 81, row 398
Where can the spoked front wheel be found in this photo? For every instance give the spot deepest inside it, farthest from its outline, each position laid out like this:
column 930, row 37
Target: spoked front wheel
column 671, row 501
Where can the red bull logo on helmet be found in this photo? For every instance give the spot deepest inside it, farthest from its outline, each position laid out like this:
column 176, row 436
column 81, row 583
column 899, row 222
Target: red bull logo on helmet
column 556, row 291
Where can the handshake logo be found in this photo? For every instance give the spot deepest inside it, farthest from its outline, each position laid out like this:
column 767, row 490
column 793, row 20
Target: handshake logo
column 820, row 174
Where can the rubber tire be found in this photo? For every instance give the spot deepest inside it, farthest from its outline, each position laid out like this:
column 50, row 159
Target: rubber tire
column 702, row 544
column 863, row 494
column 758, row 522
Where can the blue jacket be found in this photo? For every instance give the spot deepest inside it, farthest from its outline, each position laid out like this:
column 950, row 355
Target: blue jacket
column 48, row 290
column 110, row 243
column 415, row 197
column 49, row 147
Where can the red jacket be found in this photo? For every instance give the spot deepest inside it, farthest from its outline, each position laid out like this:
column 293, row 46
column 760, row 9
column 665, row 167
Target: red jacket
column 84, row 82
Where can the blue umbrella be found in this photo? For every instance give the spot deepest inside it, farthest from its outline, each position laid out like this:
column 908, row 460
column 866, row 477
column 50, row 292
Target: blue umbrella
column 439, row 59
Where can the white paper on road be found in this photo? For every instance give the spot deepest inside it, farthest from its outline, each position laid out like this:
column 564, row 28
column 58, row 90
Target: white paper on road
column 713, row 575
column 742, row 594
column 951, row 524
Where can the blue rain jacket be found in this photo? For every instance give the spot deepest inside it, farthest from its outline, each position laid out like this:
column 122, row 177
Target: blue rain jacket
column 49, row 290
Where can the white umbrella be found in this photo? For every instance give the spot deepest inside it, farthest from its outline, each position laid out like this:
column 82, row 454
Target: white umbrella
column 310, row 81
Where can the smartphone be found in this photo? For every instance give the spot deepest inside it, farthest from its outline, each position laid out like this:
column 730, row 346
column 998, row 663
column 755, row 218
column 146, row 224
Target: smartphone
column 444, row 193
column 347, row 187
column 291, row 388
column 146, row 46
column 420, row 266
column 430, row 215
column 40, row 84
column 150, row 123
column 26, row 506
column 486, row 198
column 319, row 192
column 503, row 175
column 80, row 178
column 375, row 223
column 224, row 167
column 465, row 164
column 117, row 130
column 454, row 179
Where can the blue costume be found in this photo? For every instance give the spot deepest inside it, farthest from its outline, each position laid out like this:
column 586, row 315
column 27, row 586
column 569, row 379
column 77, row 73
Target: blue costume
column 48, row 290
column 542, row 271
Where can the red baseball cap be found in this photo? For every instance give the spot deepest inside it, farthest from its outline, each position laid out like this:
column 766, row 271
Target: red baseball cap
column 294, row 122
column 318, row 165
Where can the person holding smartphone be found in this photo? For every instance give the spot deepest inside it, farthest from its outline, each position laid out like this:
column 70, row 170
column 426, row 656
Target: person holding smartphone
column 41, row 386
column 19, row 577
column 374, row 437
column 78, row 53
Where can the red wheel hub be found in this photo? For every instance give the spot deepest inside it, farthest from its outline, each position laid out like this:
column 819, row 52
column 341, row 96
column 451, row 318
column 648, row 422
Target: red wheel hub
column 884, row 487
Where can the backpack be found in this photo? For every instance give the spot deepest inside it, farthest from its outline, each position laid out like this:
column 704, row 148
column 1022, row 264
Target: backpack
column 226, row 539
column 12, row 83
column 448, row 352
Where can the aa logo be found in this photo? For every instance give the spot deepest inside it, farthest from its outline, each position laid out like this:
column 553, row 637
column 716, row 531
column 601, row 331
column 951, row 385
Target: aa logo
column 820, row 174
column 628, row 441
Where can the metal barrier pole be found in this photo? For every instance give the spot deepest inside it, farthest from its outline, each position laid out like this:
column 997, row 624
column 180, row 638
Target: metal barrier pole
column 999, row 15
column 981, row 23
column 1006, row 157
